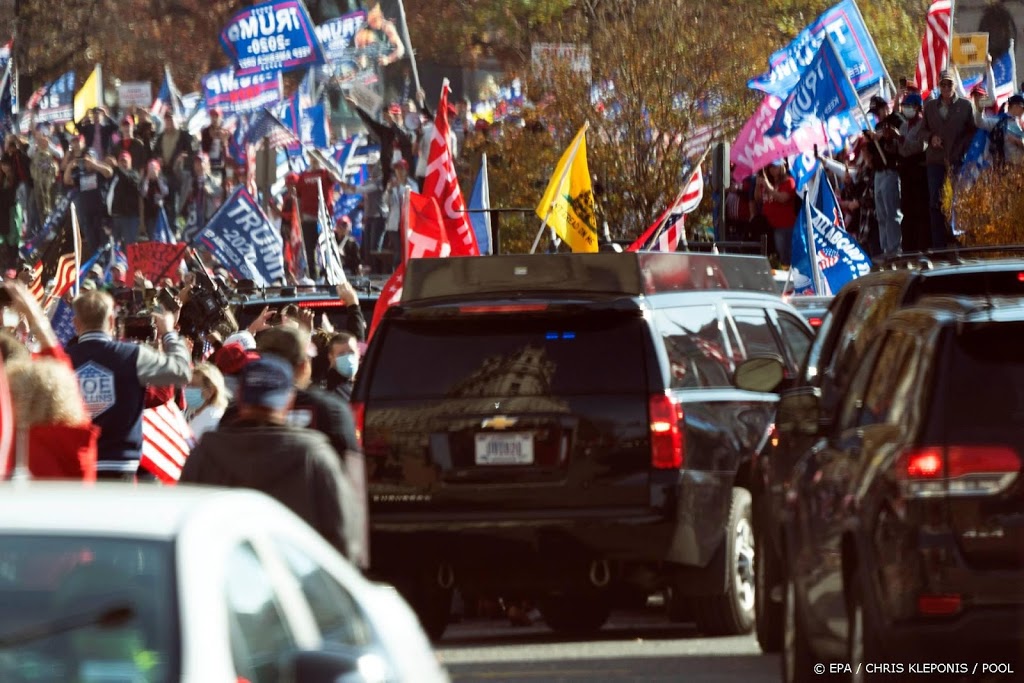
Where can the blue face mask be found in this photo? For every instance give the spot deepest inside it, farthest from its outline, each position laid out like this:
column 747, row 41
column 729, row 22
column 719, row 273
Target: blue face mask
column 193, row 397
column 347, row 365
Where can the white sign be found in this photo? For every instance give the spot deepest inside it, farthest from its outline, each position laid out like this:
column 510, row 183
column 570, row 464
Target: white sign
column 543, row 55
column 135, row 94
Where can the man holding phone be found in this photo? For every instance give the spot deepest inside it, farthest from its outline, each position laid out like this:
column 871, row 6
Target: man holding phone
column 113, row 376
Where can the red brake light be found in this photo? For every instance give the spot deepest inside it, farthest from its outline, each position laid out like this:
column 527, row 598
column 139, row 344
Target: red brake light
column 958, row 470
column 1020, row 277
column 504, row 308
column 938, row 605
column 814, row 321
column 668, row 445
column 358, row 415
column 323, row 303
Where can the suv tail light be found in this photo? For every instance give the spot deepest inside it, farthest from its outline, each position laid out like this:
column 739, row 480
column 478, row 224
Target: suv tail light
column 976, row 470
column 359, row 416
column 668, row 446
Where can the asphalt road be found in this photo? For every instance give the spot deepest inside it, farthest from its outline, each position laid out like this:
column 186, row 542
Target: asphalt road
column 633, row 646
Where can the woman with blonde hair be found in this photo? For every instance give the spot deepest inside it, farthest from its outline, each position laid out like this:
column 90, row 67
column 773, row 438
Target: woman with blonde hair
column 48, row 406
column 206, row 398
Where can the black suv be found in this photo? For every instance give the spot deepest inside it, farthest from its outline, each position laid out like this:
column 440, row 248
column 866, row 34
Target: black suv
column 852, row 322
column 566, row 428
column 321, row 299
column 905, row 530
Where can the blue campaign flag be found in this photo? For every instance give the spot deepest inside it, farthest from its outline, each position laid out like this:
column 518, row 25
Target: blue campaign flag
column 234, row 94
column 162, row 230
column 802, row 167
column 272, row 36
column 338, row 35
column 822, row 92
column 243, row 239
column 479, row 205
column 845, row 25
column 837, row 257
column 56, row 105
column 168, row 98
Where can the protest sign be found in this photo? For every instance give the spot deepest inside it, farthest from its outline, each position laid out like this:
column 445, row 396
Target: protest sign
column 135, row 94
column 155, row 259
column 272, row 36
column 234, row 94
column 969, row 49
column 242, row 238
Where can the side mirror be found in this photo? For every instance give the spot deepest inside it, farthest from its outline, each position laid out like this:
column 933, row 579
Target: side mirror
column 799, row 413
column 760, row 373
column 316, row 666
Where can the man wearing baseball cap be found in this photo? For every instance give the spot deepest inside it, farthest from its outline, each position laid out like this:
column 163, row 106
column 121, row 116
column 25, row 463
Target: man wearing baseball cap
column 259, row 450
column 949, row 128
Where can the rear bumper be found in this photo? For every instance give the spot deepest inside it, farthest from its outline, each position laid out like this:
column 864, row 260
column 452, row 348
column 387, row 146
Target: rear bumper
column 978, row 635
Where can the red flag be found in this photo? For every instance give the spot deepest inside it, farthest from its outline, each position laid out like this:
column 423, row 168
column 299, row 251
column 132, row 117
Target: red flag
column 442, row 185
column 390, row 295
column 166, row 441
column 425, row 233
column 155, row 259
column 294, row 245
column 934, row 46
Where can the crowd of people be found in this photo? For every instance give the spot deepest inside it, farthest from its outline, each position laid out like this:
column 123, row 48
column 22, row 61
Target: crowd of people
column 891, row 180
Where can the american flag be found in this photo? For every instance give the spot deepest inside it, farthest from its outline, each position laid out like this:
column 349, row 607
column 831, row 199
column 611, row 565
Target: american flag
column 166, row 441
column 1004, row 71
column 265, row 125
column 63, row 322
column 934, row 45
column 58, row 264
column 670, row 224
column 327, row 254
column 827, row 257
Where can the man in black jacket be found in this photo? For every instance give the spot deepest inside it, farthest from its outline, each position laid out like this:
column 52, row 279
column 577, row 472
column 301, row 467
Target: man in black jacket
column 298, row 467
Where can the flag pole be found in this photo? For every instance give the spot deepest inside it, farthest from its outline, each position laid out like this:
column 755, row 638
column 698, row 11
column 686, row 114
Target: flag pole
column 76, row 238
column 408, row 44
column 679, row 197
column 949, row 36
column 812, row 255
column 561, row 179
column 860, row 105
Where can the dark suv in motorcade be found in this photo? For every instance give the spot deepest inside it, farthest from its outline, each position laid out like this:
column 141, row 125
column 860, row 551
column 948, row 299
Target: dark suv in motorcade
column 852, row 322
column 565, row 428
column 905, row 528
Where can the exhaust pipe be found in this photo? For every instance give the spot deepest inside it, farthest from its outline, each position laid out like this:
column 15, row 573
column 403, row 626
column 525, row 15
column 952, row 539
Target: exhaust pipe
column 600, row 573
column 445, row 576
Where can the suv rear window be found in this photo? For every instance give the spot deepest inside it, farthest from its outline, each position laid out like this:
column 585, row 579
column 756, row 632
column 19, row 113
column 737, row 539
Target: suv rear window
column 990, row 283
column 508, row 355
column 985, row 396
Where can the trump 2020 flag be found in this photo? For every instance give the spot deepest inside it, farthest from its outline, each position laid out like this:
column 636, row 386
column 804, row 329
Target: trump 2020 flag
column 479, row 209
column 822, row 249
column 845, row 25
column 242, row 238
column 824, row 89
column 272, row 36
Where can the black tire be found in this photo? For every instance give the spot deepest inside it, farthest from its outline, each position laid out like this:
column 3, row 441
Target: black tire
column 767, row 576
column 797, row 658
column 576, row 614
column 431, row 603
column 732, row 612
column 678, row 608
column 862, row 642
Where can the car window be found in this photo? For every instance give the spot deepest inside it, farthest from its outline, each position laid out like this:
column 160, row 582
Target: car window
column 336, row 612
column 47, row 579
column 795, row 336
column 693, row 340
column 756, row 332
column 890, row 381
column 853, row 401
column 259, row 633
column 483, row 355
column 869, row 311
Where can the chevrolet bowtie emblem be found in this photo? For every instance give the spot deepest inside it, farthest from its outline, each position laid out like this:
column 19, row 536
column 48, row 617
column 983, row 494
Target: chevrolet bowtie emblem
column 499, row 422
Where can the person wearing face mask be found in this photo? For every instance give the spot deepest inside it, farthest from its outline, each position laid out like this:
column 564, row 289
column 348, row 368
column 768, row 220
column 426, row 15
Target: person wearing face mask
column 206, row 398
column 912, row 141
column 343, row 352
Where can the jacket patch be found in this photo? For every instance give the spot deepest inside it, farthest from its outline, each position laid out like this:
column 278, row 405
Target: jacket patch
column 97, row 384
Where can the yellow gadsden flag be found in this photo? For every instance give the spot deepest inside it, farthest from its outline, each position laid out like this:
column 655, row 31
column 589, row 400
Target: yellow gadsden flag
column 89, row 95
column 568, row 203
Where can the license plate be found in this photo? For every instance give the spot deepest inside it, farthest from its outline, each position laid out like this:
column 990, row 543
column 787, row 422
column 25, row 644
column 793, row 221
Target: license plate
column 504, row 449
